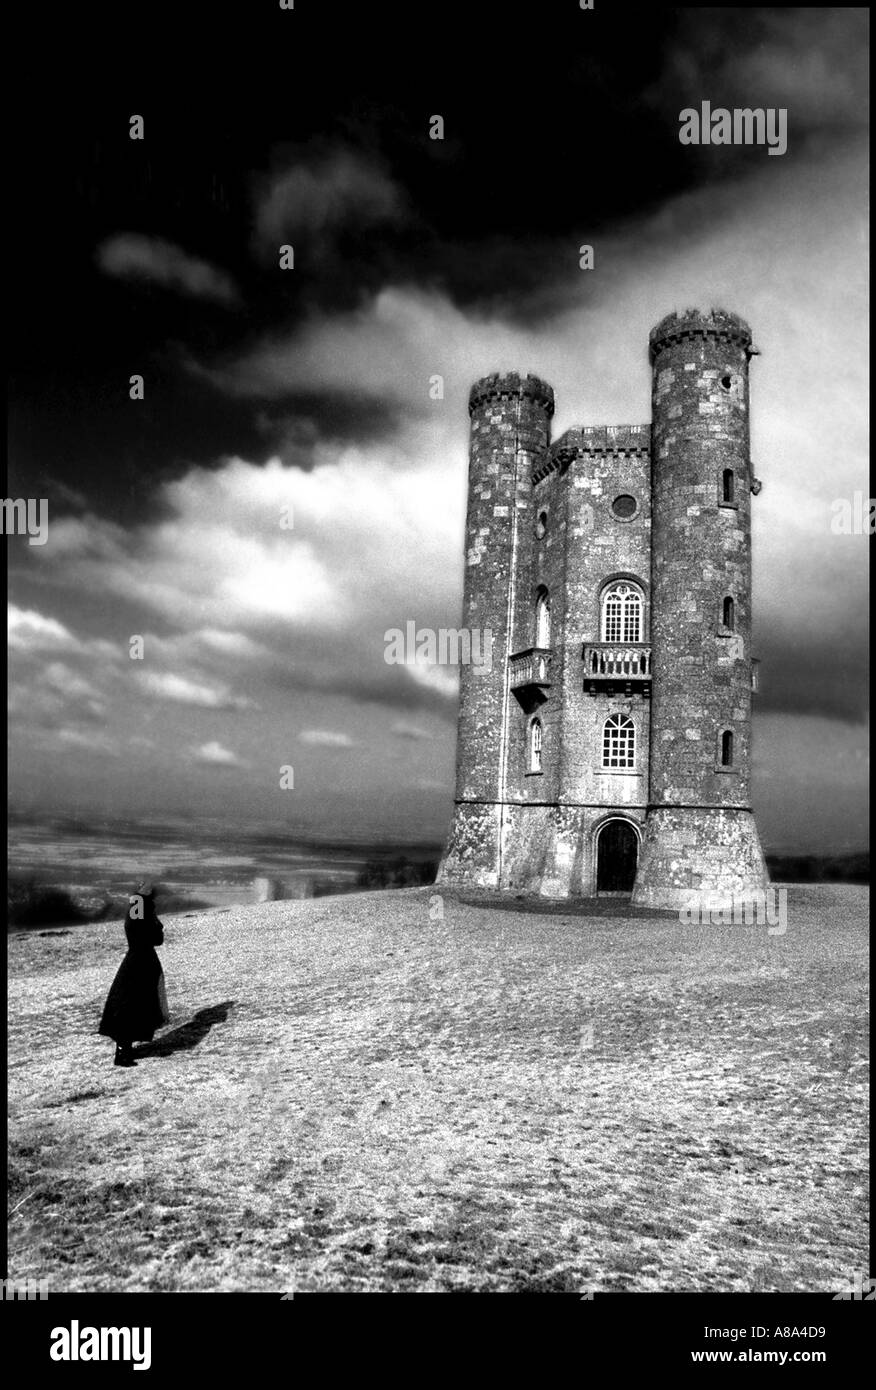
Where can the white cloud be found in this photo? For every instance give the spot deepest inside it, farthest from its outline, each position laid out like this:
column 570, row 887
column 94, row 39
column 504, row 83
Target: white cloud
column 92, row 740
column 214, row 753
column 443, row 679
column 70, row 683
column 166, row 685
column 136, row 257
column 28, row 630
column 325, row 738
column 387, row 349
column 227, row 643
column 374, row 529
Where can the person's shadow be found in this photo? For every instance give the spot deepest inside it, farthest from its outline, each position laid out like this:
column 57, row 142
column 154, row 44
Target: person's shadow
column 188, row 1034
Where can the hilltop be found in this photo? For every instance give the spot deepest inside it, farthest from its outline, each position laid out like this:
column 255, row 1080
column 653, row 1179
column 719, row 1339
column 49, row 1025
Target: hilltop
column 352, row 1095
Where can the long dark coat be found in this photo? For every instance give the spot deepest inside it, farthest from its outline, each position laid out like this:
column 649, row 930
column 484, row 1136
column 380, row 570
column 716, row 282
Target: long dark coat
column 136, row 1004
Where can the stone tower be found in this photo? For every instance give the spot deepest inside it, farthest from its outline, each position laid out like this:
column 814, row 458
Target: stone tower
column 609, row 567
column 510, row 427
column 700, row 831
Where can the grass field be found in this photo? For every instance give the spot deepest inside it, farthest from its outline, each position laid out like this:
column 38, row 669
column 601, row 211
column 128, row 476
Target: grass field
column 353, row 1096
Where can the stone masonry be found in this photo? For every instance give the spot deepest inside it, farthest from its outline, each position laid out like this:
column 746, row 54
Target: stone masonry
column 607, row 747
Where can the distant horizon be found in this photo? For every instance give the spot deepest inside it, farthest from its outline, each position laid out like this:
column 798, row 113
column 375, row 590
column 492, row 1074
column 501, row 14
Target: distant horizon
column 212, row 825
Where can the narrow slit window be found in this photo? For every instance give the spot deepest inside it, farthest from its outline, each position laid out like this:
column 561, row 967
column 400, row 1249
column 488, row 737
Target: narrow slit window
column 729, row 615
column 727, row 485
column 727, row 748
column 542, row 619
column 535, row 744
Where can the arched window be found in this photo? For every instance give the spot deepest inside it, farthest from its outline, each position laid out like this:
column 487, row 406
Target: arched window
column 727, row 485
column 622, row 609
column 542, row 618
column 619, row 741
column 729, row 613
column 535, row 746
column 727, row 748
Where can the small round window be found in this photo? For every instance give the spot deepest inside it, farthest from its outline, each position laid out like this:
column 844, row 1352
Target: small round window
column 726, row 382
column 624, row 506
column 541, row 524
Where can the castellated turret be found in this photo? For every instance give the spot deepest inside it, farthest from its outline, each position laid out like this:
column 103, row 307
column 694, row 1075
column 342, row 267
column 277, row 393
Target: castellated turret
column 510, row 433
column 605, row 747
column 700, row 831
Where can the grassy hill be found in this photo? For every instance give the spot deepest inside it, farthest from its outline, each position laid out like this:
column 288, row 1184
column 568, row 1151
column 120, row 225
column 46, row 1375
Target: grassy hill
column 354, row 1096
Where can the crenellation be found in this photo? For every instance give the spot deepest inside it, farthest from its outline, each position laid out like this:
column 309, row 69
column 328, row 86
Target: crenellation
column 510, row 386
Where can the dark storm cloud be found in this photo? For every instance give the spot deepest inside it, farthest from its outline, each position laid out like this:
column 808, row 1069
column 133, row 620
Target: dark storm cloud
column 307, row 419
column 813, row 62
column 311, row 199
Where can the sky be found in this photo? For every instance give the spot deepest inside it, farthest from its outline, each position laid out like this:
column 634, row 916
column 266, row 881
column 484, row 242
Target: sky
column 287, row 490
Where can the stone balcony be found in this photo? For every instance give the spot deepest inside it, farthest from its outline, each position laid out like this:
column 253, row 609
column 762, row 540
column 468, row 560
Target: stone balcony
column 529, row 677
column 626, row 664
column 532, row 667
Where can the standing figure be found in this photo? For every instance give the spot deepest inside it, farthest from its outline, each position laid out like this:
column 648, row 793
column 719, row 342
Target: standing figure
column 137, row 1004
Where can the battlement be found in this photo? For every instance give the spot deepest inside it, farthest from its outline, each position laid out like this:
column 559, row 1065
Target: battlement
column 607, row 439
column 695, row 323
column 509, row 386
column 617, row 441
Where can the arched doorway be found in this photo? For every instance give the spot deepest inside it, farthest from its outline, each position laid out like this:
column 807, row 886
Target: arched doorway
column 617, row 853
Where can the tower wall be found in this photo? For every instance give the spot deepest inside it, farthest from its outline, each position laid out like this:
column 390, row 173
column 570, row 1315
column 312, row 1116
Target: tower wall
column 542, row 565
column 700, row 833
column 510, row 428
column 608, row 462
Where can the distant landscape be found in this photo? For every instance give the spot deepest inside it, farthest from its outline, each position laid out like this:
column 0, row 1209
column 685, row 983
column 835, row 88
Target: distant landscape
column 63, row 871
column 815, row 868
